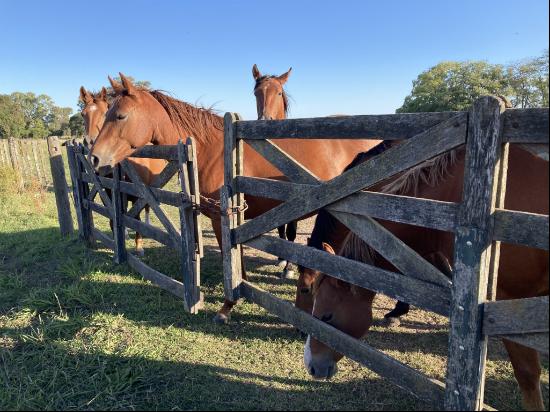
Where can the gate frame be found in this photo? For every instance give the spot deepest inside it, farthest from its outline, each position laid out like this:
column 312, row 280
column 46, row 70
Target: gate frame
column 479, row 222
column 182, row 158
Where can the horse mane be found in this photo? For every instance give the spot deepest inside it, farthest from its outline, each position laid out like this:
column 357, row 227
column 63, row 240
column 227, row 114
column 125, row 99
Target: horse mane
column 286, row 96
column 188, row 119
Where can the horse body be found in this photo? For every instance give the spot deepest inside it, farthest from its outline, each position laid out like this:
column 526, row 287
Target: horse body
column 523, row 272
column 138, row 117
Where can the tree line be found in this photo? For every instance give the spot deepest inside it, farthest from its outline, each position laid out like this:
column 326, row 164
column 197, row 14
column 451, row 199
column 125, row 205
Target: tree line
column 447, row 86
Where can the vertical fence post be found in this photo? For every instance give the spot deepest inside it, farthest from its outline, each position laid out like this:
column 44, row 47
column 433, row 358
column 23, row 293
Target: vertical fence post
column 36, row 163
column 60, row 187
column 231, row 204
column 12, row 145
column 82, row 193
column 72, row 161
column 473, row 240
column 120, row 254
column 190, row 260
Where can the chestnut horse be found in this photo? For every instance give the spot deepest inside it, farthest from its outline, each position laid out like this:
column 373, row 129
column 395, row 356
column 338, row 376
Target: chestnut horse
column 93, row 113
column 272, row 104
column 138, row 117
column 523, row 272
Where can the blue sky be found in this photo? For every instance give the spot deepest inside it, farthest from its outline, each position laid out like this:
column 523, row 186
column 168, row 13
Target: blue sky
column 353, row 57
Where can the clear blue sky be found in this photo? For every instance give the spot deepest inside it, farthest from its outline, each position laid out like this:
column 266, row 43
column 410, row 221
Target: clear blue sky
column 354, row 57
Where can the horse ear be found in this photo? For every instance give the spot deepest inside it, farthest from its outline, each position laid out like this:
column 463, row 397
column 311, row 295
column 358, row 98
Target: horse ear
column 103, row 94
column 129, row 87
column 117, row 87
column 256, row 72
column 328, row 248
column 284, row 77
column 85, row 96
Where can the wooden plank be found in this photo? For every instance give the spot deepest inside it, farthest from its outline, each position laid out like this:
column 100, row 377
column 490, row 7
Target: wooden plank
column 433, row 214
column 150, row 231
column 385, row 127
column 103, row 238
column 396, row 372
column 231, row 251
column 422, row 294
column 60, row 187
column 437, row 140
column 163, row 196
column 39, row 173
column 525, row 125
column 97, row 208
column 157, row 152
column 147, row 194
column 467, row 345
column 285, row 163
column 515, row 316
column 191, row 276
column 159, row 279
column 521, row 228
column 537, row 340
column 405, row 259
column 120, row 254
column 95, row 179
column 193, row 166
column 75, row 173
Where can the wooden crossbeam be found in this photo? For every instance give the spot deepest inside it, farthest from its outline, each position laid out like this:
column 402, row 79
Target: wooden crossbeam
column 95, row 180
column 521, row 228
column 515, row 316
column 405, row 259
column 439, row 139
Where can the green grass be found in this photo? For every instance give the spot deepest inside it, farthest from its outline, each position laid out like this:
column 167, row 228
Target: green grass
column 79, row 332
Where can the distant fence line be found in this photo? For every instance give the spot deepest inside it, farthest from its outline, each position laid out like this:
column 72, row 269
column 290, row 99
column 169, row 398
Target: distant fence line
column 30, row 158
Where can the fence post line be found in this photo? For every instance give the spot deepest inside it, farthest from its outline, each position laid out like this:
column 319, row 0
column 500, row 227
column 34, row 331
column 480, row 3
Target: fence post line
column 473, row 241
column 233, row 166
column 83, row 191
column 15, row 161
column 36, row 163
column 60, row 187
column 73, row 171
column 120, row 254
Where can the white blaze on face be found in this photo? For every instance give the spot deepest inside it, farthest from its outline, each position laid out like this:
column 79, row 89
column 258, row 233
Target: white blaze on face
column 307, row 353
column 92, row 108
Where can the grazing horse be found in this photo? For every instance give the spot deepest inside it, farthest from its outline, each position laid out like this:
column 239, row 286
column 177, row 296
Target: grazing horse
column 272, row 104
column 523, row 272
column 138, row 117
column 93, row 113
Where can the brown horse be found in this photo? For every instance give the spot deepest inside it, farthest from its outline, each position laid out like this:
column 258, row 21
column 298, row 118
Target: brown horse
column 523, row 272
column 138, row 117
column 272, row 104
column 93, row 113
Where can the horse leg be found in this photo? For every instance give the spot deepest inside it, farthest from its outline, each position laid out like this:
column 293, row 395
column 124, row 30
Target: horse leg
column 291, row 229
column 280, row 261
column 438, row 260
column 223, row 315
column 526, row 364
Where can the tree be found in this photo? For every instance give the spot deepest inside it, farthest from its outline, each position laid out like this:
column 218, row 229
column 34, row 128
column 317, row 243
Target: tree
column 529, row 82
column 76, row 125
column 454, row 86
column 12, row 120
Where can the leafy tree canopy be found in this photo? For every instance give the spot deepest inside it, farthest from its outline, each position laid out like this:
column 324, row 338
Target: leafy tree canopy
column 455, row 85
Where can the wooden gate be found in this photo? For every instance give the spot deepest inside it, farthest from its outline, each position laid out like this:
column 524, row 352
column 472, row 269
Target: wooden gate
column 479, row 224
column 182, row 159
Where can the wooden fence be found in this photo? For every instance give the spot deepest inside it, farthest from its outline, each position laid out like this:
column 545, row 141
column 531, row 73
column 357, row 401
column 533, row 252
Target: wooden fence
column 126, row 181
column 479, row 224
column 29, row 157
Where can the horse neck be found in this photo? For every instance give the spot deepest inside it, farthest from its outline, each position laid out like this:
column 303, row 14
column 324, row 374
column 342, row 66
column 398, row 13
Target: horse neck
column 328, row 229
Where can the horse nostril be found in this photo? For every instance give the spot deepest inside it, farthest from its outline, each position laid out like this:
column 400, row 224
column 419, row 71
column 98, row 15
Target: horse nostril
column 95, row 161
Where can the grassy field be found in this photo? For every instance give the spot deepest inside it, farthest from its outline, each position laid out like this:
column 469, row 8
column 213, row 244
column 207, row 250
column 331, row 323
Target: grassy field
column 78, row 332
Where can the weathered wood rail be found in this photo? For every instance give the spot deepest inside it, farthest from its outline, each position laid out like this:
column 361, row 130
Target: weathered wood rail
column 125, row 181
column 479, row 224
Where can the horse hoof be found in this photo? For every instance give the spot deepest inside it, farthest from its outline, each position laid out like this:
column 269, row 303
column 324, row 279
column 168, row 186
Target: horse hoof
column 281, row 263
column 221, row 319
column 140, row 252
column 287, row 274
column 389, row 322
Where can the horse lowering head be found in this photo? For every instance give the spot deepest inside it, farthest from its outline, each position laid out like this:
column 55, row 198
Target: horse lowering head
column 343, row 306
column 93, row 113
column 134, row 119
column 271, row 98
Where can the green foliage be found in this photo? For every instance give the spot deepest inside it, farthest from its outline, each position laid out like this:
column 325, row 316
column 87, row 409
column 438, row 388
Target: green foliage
column 8, row 177
column 29, row 115
column 76, row 125
column 455, row 85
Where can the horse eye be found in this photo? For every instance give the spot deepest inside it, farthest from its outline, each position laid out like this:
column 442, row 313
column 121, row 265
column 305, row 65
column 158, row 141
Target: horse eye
column 121, row 116
column 281, row 93
column 327, row 318
column 304, row 291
